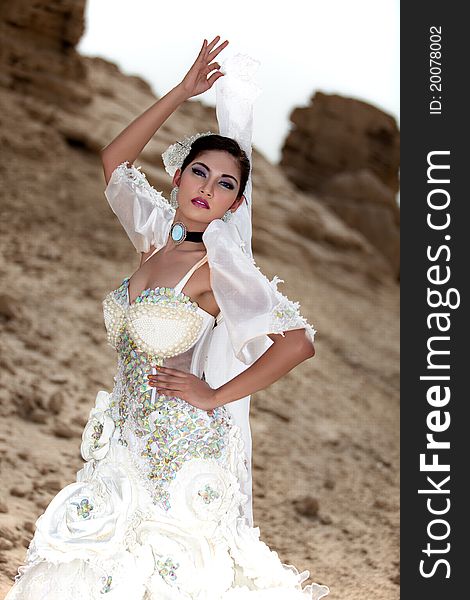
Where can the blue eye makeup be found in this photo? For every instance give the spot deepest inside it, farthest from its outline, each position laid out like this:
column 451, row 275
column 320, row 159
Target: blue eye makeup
column 199, row 172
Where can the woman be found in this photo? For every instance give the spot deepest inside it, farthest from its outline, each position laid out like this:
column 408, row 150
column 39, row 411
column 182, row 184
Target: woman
column 162, row 506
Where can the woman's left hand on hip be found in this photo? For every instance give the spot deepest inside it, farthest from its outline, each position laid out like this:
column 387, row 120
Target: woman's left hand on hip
column 184, row 385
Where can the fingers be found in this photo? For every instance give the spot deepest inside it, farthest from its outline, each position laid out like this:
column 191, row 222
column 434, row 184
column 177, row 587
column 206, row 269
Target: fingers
column 170, row 390
column 170, row 371
column 200, row 58
column 166, row 379
column 213, row 78
column 212, row 66
column 213, row 43
column 209, row 54
column 169, row 377
column 217, row 51
column 201, row 52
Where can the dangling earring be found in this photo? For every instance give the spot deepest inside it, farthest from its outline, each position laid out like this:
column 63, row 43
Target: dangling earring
column 227, row 216
column 173, row 197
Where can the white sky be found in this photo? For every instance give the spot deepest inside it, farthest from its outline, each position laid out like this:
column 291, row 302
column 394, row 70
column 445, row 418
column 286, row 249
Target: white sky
column 334, row 46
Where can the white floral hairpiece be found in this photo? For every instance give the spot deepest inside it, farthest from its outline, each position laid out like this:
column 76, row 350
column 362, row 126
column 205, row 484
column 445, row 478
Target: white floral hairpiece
column 174, row 155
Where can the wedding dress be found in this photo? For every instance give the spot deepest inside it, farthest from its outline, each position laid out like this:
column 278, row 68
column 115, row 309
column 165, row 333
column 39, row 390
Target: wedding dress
column 161, row 509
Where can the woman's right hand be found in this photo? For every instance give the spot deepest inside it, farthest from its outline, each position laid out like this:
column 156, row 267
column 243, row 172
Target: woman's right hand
column 196, row 81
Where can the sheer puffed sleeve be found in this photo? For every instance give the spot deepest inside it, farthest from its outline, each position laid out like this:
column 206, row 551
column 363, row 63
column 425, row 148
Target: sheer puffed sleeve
column 250, row 304
column 144, row 213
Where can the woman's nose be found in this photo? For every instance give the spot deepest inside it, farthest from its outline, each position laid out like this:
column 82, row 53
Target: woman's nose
column 206, row 190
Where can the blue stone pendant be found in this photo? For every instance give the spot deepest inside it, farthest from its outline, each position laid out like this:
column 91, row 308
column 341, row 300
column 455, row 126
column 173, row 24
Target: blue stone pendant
column 178, row 232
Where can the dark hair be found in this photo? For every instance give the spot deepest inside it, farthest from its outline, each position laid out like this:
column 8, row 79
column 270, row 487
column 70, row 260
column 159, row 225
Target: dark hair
column 214, row 141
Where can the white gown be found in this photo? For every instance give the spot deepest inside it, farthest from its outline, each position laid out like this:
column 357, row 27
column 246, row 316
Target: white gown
column 161, row 509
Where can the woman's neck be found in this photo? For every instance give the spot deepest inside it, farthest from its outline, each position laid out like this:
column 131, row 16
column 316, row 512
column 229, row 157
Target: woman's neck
column 187, row 246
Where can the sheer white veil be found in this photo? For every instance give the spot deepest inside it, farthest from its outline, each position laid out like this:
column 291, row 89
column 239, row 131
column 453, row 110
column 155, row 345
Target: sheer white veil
column 236, row 93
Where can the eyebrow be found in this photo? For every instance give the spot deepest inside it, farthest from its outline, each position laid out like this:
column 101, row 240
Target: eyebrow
column 223, row 174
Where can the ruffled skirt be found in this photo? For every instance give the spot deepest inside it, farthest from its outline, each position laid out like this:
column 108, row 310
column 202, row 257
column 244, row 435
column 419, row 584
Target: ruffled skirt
column 103, row 536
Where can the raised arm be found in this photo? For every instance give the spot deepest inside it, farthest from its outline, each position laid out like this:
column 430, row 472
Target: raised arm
column 132, row 140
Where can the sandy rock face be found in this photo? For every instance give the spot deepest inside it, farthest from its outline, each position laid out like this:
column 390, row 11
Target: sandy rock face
column 346, row 152
column 368, row 205
column 38, row 54
column 335, row 134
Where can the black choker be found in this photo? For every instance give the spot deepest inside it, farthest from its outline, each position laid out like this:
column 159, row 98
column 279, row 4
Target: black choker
column 180, row 234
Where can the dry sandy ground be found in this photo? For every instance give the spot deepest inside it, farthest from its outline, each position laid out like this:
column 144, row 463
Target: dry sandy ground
column 327, row 431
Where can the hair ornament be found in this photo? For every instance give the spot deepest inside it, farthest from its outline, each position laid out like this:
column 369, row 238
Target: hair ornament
column 174, row 155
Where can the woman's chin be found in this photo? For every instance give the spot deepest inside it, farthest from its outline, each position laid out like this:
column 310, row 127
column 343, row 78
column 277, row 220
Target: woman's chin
column 194, row 215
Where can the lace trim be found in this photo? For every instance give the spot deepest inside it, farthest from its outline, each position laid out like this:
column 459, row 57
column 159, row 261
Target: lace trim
column 286, row 314
column 117, row 402
column 139, row 516
column 137, row 179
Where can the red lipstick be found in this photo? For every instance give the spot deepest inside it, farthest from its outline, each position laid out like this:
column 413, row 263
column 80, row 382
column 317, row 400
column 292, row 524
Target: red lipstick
column 200, row 202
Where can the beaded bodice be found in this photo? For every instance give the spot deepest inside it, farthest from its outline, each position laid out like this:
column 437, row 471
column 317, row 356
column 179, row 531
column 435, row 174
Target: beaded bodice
column 161, row 327
column 161, row 323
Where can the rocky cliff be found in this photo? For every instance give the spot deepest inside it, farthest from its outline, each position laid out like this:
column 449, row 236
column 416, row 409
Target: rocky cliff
column 345, row 154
